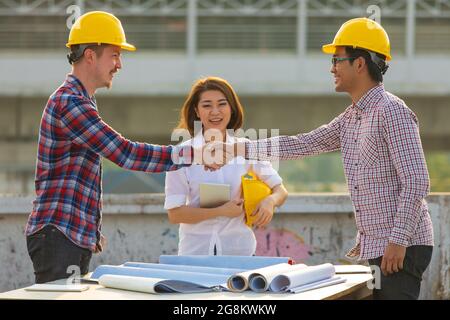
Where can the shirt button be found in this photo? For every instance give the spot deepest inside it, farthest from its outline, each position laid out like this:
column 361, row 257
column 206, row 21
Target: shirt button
column 356, row 164
column 359, row 118
column 356, row 187
column 357, row 210
column 356, row 140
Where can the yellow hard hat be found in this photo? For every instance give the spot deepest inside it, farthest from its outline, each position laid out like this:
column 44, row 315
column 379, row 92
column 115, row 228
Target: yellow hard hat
column 361, row 33
column 254, row 190
column 98, row 27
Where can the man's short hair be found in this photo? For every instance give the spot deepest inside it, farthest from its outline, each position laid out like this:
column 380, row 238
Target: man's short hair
column 376, row 72
column 77, row 51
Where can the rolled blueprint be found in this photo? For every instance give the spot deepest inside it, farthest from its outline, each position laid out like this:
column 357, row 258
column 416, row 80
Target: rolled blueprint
column 260, row 279
column 138, row 284
column 150, row 285
column 316, row 285
column 236, row 262
column 212, row 270
column 297, row 278
column 203, row 279
column 240, row 282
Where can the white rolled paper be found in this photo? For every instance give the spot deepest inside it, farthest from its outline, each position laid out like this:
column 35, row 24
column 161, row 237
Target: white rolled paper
column 138, row 284
column 240, row 282
column 297, row 278
column 316, row 285
column 202, row 279
column 260, row 279
column 152, row 285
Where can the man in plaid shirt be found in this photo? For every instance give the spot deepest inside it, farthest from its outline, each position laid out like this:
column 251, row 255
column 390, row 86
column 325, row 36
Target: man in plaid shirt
column 64, row 227
column 383, row 159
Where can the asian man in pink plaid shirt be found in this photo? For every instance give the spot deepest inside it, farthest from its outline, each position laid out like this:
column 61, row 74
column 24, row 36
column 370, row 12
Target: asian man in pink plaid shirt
column 384, row 163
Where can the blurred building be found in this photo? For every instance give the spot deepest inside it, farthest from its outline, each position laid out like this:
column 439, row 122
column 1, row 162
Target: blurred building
column 270, row 51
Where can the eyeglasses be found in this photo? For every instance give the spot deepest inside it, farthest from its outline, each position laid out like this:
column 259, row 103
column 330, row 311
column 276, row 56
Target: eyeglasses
column 335, row 60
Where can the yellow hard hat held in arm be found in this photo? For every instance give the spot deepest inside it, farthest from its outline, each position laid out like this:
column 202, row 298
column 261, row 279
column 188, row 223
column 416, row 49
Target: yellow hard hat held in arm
column 254, row 191
column 362, row 33
column 98, row 27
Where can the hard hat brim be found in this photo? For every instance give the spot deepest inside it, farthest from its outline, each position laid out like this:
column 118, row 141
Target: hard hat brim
column 329, row 49
column 125, row 46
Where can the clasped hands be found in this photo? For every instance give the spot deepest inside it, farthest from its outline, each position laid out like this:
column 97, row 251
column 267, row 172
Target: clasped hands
column 215, row 154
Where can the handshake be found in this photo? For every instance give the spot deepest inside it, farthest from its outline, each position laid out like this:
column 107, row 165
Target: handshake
column 215, row 154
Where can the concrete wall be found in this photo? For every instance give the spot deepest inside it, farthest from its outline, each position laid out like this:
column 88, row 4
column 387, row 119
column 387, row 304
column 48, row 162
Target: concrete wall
column 148, row 73
column 310, row 228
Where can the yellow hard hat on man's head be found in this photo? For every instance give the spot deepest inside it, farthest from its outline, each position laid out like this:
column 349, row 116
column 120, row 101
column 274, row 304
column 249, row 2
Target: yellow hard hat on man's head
column 98, row 27
column 362, row 33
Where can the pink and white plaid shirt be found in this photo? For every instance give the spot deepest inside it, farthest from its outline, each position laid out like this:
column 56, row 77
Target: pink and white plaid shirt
column 384, row 165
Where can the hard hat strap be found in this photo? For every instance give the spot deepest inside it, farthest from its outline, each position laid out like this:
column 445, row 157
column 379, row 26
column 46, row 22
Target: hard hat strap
column 78, row 52
column 380, row 63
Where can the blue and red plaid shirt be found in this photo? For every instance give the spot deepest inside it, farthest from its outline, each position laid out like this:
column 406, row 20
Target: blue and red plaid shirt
column 68, row 170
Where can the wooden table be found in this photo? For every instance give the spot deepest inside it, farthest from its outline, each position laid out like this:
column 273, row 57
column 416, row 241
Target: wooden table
column 354, row 288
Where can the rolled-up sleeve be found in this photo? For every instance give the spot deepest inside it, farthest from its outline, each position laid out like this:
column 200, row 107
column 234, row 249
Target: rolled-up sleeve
column 176, row 189
column 265, row 171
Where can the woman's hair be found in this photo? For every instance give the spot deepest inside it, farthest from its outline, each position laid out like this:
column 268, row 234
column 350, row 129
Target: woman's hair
column 188, row 114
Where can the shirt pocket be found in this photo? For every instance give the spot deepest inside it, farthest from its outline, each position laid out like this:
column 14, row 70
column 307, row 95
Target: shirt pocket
column 368, row 151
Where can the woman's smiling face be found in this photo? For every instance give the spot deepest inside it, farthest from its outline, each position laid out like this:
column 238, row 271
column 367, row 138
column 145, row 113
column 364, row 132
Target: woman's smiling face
column 214, row 111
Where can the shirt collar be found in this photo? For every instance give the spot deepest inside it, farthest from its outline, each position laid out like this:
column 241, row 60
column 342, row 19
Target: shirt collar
column 77, row 86
column 369, row 97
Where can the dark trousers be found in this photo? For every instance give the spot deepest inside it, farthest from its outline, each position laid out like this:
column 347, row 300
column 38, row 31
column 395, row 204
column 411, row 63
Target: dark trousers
column 52, row 253
column 405, row 284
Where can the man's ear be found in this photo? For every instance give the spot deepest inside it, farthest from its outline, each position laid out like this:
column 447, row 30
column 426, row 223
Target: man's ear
column 360, row 64
column 89, row 56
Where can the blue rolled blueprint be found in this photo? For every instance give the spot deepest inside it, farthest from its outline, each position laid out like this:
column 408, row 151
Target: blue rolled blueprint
column 202, row 279
column 200, row 269
column 234, row 262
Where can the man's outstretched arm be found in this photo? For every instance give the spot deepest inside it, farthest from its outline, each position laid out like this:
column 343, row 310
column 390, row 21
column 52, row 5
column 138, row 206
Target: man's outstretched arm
column 323, row 139
column 84, row 126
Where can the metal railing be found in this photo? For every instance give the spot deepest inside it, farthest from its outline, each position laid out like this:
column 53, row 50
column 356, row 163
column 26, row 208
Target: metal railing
column 192, row 26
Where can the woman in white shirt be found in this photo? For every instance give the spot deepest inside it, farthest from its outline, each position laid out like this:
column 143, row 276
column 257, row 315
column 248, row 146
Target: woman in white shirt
column 221, row 230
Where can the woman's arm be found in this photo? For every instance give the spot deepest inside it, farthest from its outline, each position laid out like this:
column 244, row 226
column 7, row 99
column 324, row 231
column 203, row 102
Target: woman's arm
column 191, row 215
column 264, row 210
column 279, row 195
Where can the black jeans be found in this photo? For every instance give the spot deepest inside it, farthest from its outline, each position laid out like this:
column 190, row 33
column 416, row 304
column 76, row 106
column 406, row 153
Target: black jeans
column 405, row 284
column 52, row 253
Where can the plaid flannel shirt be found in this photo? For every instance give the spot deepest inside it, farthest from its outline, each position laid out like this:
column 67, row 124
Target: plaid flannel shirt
column 72, row 138
column 384, row 165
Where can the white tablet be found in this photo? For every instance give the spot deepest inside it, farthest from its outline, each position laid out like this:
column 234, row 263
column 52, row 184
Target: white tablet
column 213, row 195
